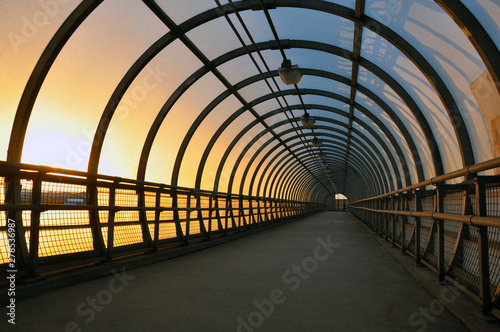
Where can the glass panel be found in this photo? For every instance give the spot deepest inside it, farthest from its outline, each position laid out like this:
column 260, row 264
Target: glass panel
column 202, row 136
column 432, row 110
column 250, row 154
column 220, row 147
column 207, row 38
column 434, row 34
column 378, row 147
column 259, row 175
column 233, row 157
column 182, row 10
column 76, row 91
column 318, row 113
column 487, row 13
column 254, row 91
column 175, row 126
column 387, row 121
column 326, row 101
column 27, row 27
column 140, row 106
column 238, row 69
column 347, row 3
column 324, row 84
column 303, row 24
column 267, row 106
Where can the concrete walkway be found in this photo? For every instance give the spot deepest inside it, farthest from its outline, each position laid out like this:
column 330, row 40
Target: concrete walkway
column 321, row 273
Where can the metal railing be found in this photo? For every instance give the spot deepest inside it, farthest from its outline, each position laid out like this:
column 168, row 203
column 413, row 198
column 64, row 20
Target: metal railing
column 452, row 228
column 58, row 219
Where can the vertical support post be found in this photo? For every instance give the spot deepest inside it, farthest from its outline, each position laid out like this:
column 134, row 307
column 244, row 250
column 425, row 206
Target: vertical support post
column 175, row 207
column 188, row 217
column 417, row 208
column 13, row 196
column 482, row 232
column 111, row 221
column 376, row 204
column 384, row 204
column 210, row 211
column 92, row 200
column 402, row 207
column 35, row 225
column 216, row 206
column 199, row 214
column 251, row 216
column 393, row 219
column 141, row 204
column 439, row 207
column 242, row 220
column 157, row 218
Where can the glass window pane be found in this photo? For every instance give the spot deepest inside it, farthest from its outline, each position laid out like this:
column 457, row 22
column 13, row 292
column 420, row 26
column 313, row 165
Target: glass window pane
column 220, row 148
column 347, row 3
column 303, row 24
column 435, row 35
column 238, row 69
column 82, row 79
column 182, row 10
column 202, row 137
column 432, row 109
column 260, row 171
column 174, row 128
column 139, row 107
column 27, row 27
column 487, row 13
column 207, row 37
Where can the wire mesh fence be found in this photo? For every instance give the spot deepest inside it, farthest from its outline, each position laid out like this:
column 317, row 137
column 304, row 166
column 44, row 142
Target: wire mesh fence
column 71, row 218
column 458, row 226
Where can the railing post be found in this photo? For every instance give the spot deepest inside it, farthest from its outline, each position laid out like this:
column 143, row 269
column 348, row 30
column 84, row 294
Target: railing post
column 175, row 207
column 141, row 204
column 385, row 216
column 439, row 208
column 210, row 211
column 482, row 232
column 111, row 220
column 157, row 218
column 376, row 205
column 13, row 196
column 199, row 214
column 35, row 225
column 417, row 208
column 92, row 199
column 402, row 207
column 188, row 218
column 393, row 219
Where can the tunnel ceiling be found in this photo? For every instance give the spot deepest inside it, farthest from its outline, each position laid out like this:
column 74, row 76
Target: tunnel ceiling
column 188, row 93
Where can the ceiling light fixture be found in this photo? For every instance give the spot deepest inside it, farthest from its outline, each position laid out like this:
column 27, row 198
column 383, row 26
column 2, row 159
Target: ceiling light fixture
column 316, row 142
column 307, row 120
column 290, row 74
column 321, row 155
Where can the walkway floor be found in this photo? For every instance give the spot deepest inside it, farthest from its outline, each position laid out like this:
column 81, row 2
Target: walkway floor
column 321, row 273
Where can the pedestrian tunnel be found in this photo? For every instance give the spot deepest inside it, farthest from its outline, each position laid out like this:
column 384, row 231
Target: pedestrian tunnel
column 163, row 126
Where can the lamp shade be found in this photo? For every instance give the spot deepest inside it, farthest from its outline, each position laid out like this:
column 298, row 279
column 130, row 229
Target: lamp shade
column 316, row 142
column 290, row 74
column 307, row 120
column 321, row 155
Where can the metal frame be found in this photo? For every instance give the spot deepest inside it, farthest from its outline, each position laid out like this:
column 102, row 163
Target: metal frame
column 460, row 14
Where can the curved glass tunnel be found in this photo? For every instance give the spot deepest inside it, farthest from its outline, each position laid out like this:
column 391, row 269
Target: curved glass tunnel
column 141, row 125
